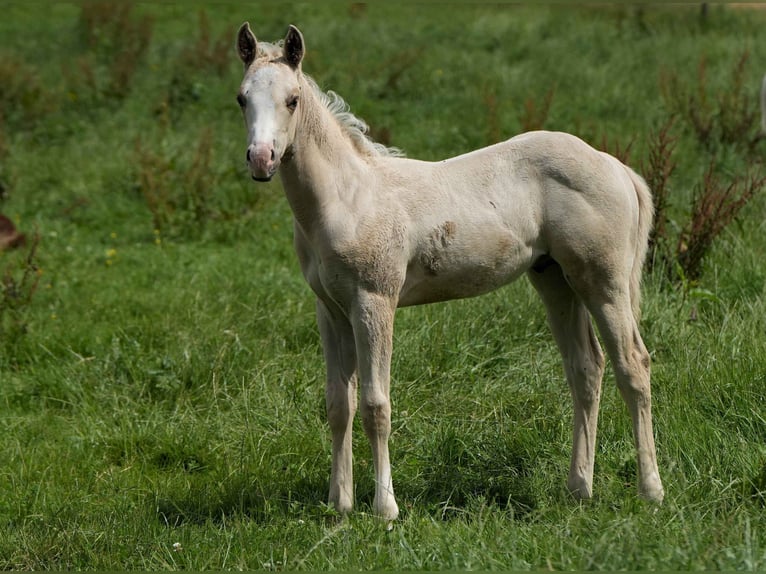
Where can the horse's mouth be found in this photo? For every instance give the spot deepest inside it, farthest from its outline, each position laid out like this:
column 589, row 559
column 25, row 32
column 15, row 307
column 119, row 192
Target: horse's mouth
column 263, row 179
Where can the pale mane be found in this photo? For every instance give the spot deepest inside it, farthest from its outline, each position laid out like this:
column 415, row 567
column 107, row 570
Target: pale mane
column 354, row 126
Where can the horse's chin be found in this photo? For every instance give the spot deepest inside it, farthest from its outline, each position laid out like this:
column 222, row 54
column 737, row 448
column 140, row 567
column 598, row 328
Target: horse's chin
column 264, row 175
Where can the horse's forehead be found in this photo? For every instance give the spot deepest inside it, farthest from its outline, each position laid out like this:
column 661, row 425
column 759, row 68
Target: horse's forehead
column 266, row 75
column 269, row 51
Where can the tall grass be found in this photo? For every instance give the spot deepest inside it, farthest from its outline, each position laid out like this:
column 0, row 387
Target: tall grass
column 163, row 406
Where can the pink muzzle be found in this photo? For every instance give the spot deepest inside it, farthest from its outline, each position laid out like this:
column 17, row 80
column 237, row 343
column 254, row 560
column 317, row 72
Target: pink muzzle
column 261, row 158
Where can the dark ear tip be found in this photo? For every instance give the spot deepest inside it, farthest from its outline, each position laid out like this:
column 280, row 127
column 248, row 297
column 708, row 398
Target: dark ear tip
column 246, row 43
column 294, row 46
column 295, row 33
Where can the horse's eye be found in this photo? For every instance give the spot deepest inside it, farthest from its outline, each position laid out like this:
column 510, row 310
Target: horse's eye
column 241, row 100
column 292, row 103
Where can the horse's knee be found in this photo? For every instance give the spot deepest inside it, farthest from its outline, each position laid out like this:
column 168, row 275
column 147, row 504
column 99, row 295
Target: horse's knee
column 376, row 414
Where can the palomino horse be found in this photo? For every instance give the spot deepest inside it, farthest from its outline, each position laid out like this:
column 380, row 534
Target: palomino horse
column 374, row 231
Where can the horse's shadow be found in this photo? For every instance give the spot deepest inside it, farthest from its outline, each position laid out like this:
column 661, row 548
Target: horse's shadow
column 446, row 486
column 242, row 496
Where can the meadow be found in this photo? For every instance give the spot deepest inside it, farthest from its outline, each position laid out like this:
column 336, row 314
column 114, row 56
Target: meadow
column 161, row 379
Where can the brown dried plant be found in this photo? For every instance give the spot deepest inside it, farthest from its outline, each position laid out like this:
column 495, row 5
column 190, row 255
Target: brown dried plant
column 715, row 206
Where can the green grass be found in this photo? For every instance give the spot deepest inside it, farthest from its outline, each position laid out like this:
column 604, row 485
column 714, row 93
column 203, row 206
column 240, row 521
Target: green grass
column 165, row 383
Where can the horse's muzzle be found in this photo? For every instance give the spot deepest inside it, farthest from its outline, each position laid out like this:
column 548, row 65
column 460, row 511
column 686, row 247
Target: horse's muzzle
column 262, row 160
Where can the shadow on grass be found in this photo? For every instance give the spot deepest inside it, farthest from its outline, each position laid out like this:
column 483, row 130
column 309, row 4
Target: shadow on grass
column 243, row 497
column 462, row 468
column 449, row 473
column 449, row 491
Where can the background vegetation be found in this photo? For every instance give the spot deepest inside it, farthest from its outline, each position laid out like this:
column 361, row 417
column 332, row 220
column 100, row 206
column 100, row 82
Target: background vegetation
column 161, row 381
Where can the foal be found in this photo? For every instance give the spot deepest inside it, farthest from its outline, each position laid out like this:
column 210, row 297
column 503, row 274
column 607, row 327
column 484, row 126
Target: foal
column 374, row 232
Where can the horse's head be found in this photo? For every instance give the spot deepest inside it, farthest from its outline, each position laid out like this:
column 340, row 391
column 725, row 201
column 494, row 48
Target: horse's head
column 269, row 97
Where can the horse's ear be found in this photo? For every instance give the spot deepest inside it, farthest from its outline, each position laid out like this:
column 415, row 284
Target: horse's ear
column 246, row 44
column 294, row 47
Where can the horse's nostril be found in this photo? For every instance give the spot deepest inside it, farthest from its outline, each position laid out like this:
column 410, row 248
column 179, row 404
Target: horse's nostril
column 247, row 154
column 273, row 155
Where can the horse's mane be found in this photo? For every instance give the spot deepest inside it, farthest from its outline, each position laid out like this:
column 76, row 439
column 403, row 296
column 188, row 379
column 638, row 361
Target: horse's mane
column 356, row 128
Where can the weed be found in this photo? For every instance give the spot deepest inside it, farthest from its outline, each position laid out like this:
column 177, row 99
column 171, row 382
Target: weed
column 657, row 170
column 718, row 121
column 205, row 53
column 23, row 99
column 116, row 41
column 715, row 206
column 724, row 118
column 536, row 110
column 154, row 182
column 3, row 150
column 737, row 108
column 202, row 55
column 619, row 150
column 494, row 132
column 19, row 283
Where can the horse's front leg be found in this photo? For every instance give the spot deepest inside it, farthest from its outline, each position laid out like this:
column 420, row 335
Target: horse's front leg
column 340, row 397
column 372, row 318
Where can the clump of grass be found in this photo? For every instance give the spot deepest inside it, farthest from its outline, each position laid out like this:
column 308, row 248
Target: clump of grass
column 20, row 277
column 23, row 99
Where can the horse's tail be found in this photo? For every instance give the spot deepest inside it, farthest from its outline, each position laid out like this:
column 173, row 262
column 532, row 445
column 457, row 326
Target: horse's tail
column 645, row 221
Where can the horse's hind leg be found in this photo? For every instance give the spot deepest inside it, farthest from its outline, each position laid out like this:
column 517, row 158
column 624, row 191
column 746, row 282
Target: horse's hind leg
column 609, row 303
column 340, row 397
column 583, row 365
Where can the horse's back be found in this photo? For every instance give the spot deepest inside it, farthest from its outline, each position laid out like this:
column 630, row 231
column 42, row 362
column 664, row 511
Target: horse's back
column 493, row 212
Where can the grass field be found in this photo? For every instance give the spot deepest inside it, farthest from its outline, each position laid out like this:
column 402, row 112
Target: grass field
column 161, row 380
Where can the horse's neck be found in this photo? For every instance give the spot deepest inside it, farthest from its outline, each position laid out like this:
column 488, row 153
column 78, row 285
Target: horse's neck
column 324, row 165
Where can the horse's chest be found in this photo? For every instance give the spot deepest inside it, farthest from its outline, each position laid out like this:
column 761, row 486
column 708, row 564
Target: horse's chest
column 372, row 261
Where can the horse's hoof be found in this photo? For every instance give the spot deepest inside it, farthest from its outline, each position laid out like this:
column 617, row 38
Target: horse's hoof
column 580, row 488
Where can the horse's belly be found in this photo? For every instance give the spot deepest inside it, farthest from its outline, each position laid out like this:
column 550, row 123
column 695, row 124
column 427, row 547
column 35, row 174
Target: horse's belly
column 457, row 276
